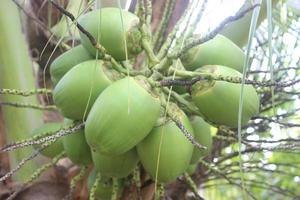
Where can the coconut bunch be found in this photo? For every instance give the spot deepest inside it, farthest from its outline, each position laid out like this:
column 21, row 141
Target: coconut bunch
column 124, row 115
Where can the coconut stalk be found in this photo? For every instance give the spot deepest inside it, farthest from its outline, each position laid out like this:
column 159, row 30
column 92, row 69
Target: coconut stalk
column 16, row 72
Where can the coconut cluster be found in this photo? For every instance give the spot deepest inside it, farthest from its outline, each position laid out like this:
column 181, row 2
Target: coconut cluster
column 124, row 116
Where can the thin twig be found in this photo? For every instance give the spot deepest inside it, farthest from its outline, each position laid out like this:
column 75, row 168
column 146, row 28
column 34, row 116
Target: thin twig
column 190, row 82
column 36, row 175
column 187, row 134
column 277, row 122
column 25, row 160
column 28, row 105
column 192, row 186
column 25, row 93
column 74, row 182
column 34, row 141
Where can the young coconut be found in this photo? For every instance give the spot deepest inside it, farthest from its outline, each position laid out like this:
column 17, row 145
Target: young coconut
column 175, row 149
column 55, row 148
column 122, row 116
column 105, row 186
column 218, row 101
column 76, row 92
column 202, row 132
column 109, row 28
column 76, row 147
column 62, row 64
column 119, row 166
column 217, row 51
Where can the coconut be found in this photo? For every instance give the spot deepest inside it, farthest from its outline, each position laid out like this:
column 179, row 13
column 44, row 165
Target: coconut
column 111, row 27
column 218, row 101
column 122, row 116
column 166, row 152
column 76, row 92
column 217, row 51
column 62, row 64
column 119, row 166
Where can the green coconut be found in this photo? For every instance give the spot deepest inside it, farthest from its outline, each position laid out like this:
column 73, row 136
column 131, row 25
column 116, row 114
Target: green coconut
column 202, row 131
column 62, row 64
column 175, row 149
column 55, row 148
column 218, row 101
column 119, row 166
column 76, row 92
column 105, row 186
column 122, row 116
column 217, row 51
column 76, row 147
column 111, row 27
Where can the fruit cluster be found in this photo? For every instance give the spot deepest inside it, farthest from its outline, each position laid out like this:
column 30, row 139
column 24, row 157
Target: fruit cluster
column 125, row 120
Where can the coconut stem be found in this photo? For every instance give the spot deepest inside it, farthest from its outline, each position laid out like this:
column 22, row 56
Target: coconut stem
column 185, row 132
column 193, row 26
column 74, row 182
column 225, row 138
column 153, row 60
column 163, row 65
column 219, row 173
column 36, row 175
column 166, row 46
column 25, row 93
column 148, row 15
column 115, row 187
column 45, row 137
column 146, row 43
column 95, row 186
column 158, row 35
column 25, row 160
column 29, row 105
column 141, row 11
column 192, row 186
column 209, row 76
column 137, row 180
column 160, row 194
